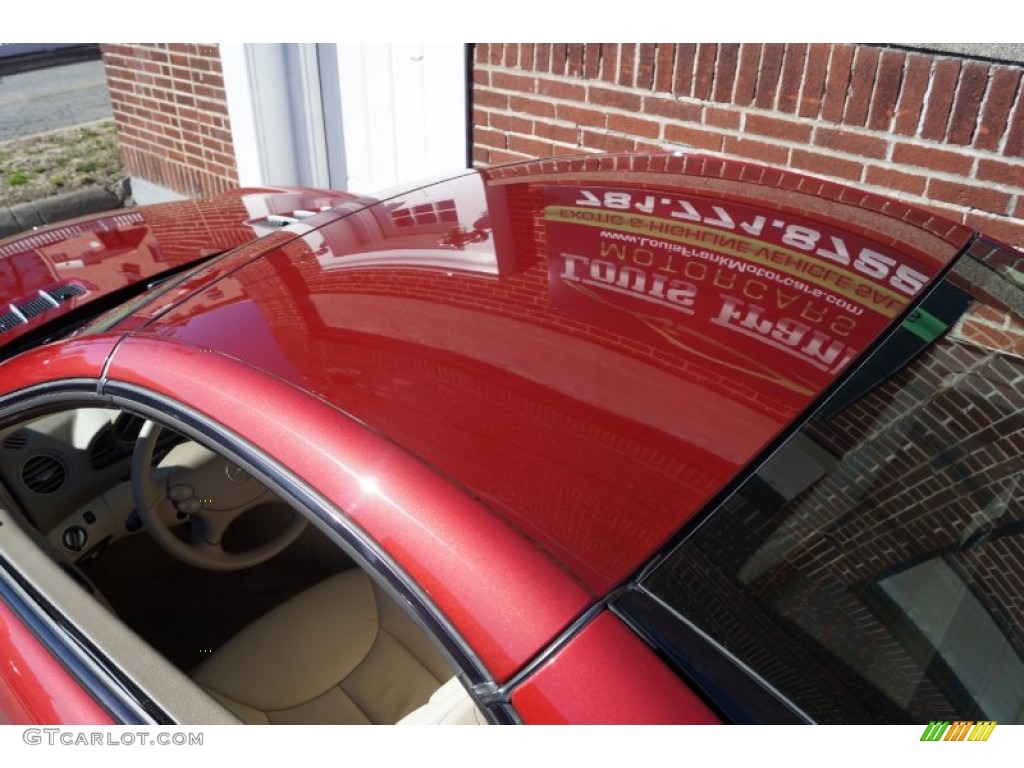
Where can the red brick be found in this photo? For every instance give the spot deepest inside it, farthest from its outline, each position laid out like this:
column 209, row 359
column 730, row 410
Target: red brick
column 853, row 143
column 559, row 58
column 725, row 71
column 574, row 64
column 581, row 116
column 792, row 76
column 704, row 78
column 609, row 62
column 995, row 113
column 862, row 84
column 663, row 71
column 592, row 61
column 634, row 126
column 686, row 58
column 814, row 80
column 675, row 110
column 645, row 65
column 887, row 89
column 694, row 137
column 1014, row 143
column 945, row 74
column 510, row 55
column 777, row 128
column 559, row 133
column 969, row 196
column 988, row 315
column 627, row 64
column 1011, row 174
column 481, row 116
column 199, row 63
column 511, row 123
column 746, row 78
column 910, row 104
column 495, row 53
column 612, row 97
column 529, row 146
column 967, row 103
column 499, row 156
column 542, row 57
column 489, row 98
column 490, row 137
column 531, row 106
column 1018, row 210
column 768, row 76
column 896, row 180
column 756, row 150
column 508, row 82
column 481, row 77
column 826, row 164
column 526, row 57
column 721, row 117
column 929, row 157
column 607, row 143
column 557, row 89
column 837, row 83
column 1009, row 231
column 643, row 146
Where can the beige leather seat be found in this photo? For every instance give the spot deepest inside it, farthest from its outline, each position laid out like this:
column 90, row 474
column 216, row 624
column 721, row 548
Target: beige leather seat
column 450, row 705
column 340, row 652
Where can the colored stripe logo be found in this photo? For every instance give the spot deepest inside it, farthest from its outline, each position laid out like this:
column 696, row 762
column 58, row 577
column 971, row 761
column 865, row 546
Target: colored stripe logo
column 958, row 730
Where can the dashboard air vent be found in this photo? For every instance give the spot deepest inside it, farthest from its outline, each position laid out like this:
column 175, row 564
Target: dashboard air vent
column 15, row 441
column 44, row 474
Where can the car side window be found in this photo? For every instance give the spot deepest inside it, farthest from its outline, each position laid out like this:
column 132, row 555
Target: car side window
column 229, row 595
column 871, row 569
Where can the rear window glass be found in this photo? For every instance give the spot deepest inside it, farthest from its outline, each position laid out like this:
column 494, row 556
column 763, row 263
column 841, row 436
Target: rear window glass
column 872, row 570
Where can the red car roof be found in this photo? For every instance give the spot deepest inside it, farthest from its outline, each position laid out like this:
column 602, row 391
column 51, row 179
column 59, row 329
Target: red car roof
column 593, row 347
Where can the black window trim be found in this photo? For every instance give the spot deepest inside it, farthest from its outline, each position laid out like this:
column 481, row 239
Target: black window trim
column 720, row 671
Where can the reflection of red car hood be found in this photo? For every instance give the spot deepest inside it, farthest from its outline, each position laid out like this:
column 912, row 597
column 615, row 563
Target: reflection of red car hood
column 52, row 270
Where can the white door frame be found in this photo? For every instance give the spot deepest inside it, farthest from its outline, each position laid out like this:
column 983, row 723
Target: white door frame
column 349, row 116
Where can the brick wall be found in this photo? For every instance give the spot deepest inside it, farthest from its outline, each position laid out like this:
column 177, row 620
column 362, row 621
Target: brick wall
column 171, row 113
column 942, row 132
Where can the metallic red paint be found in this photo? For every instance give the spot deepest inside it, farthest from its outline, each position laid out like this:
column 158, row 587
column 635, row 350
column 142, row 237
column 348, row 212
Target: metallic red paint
column 34, row 688
column 515, row 406
column 606, row 675
column 589, row 384
column 105, row 252
column 499, row 591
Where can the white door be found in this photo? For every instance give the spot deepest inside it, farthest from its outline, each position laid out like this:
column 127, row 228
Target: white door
column 361, row 117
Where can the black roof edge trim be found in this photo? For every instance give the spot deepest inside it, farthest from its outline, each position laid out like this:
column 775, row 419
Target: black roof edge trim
column 737, row 694
column 356, row 542
column 40, row 397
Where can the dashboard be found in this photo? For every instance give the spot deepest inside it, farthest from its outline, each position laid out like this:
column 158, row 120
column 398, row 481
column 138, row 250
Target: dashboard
column 70, row 475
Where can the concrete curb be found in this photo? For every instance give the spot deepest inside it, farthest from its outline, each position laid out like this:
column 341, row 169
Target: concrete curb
column 51, row 210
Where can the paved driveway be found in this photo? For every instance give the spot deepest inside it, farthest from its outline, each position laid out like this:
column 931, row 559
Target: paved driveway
column 52, row 98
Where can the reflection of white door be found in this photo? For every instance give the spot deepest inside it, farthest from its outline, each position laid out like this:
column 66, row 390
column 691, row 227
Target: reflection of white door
column 361, row 117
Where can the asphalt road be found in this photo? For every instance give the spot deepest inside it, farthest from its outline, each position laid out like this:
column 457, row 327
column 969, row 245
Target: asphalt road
column 56, row 97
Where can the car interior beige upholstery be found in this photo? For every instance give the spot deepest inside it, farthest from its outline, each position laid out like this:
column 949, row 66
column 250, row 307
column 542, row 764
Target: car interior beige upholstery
column 450, row 705
column 341, row 652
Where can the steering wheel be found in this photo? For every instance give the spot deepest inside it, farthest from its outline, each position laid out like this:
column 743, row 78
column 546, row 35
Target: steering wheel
column 161, row 502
